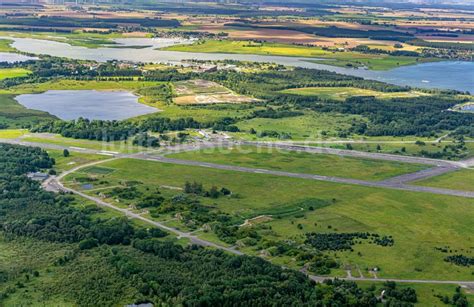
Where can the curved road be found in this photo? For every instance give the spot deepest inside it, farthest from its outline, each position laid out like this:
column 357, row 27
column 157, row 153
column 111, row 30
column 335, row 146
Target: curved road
column 54, row 184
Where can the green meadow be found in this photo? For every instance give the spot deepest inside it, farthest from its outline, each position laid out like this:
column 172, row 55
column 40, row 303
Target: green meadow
column 459, row 180
column 74, row 159
column 301, row 162
column 13, row 73
column 309, row 126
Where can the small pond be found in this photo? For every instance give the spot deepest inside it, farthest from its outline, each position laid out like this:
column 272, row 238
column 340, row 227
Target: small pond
column 90, row 104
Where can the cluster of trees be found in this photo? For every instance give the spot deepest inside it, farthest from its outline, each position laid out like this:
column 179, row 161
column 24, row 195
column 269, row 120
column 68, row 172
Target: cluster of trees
column 146, row 140
column 197, row 188
column 344, row 241
column 27, row 210
column 162, row 93
column 322, row 264
column 275, row 113
column 422, row 116
column 392, row 296
column 367, row 49
column 460, row 260
column 458, row 299
column 102, row 130
column 68, row 22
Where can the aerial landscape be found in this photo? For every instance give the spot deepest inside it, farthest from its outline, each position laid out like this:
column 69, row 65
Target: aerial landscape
column 236, row 153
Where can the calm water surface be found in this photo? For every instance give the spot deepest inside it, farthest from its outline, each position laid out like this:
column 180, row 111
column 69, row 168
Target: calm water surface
column 14, row 57
column 68, row 105
column 448, row 74
column 469, row 107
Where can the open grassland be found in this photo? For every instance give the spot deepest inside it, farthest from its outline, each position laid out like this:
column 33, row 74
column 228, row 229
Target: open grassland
column 458, row 180
column 13, row 73
column 341, row 93
column 427, row 294
column 418, row 222
column 372, row 61
column 73, row 160
column 55, row 139
column 14, row 114
column 301, row 162
column 305, row 127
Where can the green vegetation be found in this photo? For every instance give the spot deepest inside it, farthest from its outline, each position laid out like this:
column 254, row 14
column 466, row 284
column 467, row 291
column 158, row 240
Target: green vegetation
column 354, row 59
column 12, row 114
column 301, row 162
column 342, row 93
column 5, row 45
column 406, row 216
column 74, row 159
column 311, row 126
column 13, row 73
column 458, row 180
column 11, row 133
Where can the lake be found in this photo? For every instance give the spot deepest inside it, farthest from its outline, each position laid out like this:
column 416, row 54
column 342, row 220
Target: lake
column 447, row 74
column 468, row 108
column 71, row 104
column 14, row 57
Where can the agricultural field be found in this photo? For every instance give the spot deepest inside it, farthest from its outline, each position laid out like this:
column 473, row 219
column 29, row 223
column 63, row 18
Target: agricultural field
column 342, row 93
column 406, row 216
column 301, row 162
column 372, row 61
column 202, row 92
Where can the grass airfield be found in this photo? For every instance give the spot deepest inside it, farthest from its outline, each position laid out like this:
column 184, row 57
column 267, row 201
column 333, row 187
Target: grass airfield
column 418, row 222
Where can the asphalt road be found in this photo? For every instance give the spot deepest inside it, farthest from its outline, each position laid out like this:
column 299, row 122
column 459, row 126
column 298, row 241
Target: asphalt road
column 398, row 183
column 380, row 184
column 356, row 154
column 54, row 184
